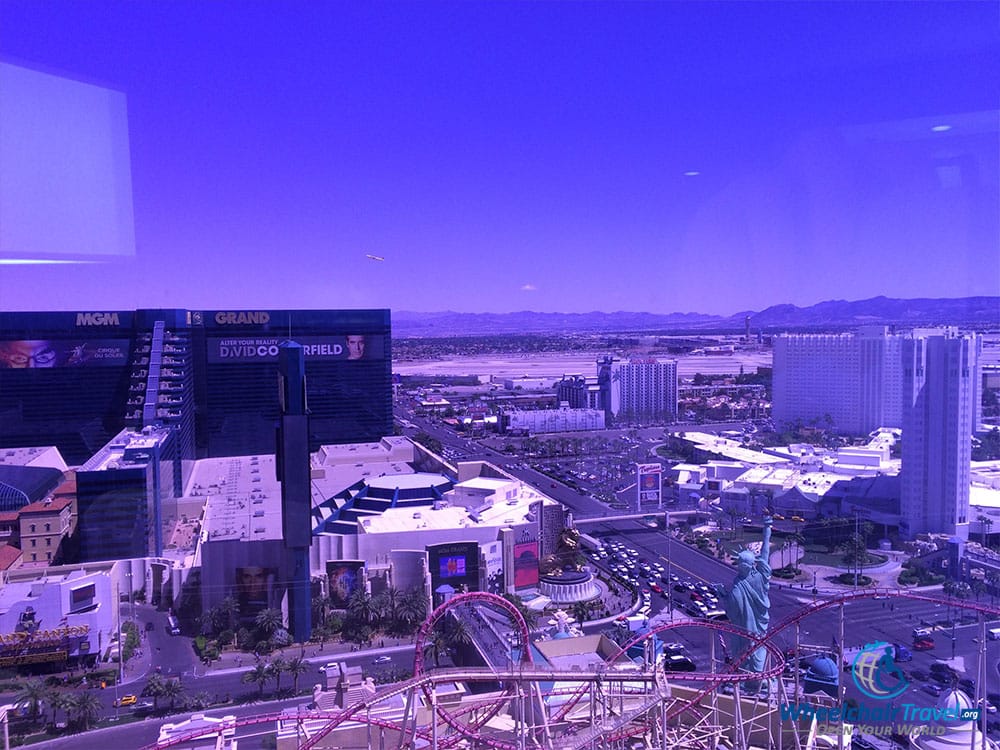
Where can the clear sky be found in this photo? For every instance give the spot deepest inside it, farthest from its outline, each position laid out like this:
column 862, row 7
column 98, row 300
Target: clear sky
column 534, row 156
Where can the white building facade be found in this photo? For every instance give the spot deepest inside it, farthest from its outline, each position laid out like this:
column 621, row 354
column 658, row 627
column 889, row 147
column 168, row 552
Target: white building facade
column 940, row 375
column 851, row 382
column 641, row 389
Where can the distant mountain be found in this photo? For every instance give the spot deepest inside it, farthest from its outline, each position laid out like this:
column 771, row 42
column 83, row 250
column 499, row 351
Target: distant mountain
column 967, row 311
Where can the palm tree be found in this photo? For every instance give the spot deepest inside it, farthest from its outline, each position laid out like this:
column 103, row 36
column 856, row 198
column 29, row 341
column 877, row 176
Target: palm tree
column 413, row 607
column 30, row 693
column 268, row 621
column 59, row 701
column 458, row 635
column 154, row 689
column 86, row 708
column 296, row 667
column 437, row 642
column 387, row 604
column 360, row 606
column 173, row 690
column 259, row 674
column 276, row 667
column 229, row 608
column 580, row 612
column 68, row 704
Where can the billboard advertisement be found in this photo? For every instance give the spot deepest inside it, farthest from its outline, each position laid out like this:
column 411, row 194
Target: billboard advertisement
column 648, row 482
column 82, row 598
column 254, row 590
column 40, row 353
column 525, row 564
column 344, row 577
column 455, row 564
column 331, row 348
column 493, row 568
column 452, row 567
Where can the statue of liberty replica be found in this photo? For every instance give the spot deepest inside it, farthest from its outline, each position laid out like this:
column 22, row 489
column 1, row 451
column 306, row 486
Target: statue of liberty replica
column 747, row 603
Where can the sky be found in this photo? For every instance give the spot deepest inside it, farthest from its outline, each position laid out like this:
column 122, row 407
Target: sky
column 557, row 157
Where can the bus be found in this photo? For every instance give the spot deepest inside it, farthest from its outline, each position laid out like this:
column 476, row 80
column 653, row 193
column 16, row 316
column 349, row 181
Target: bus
column 173, row 626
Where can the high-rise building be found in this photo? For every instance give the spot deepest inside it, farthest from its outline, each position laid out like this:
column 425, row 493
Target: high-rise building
column 850, row 382
column 940, row 374
column 640, row 389
column 123, row 494
column 76, row 379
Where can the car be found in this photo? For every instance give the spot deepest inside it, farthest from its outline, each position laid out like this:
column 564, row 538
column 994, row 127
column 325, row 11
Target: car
column 932, row 690
column 127, row 700
column 777, row 517
column 382, row 660
column 656, row 587
column 798, row 519
column 923, row 644
column 920, row 675
column 678, row 663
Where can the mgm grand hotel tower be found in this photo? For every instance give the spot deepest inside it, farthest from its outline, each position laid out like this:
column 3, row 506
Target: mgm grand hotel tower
column 76, row 379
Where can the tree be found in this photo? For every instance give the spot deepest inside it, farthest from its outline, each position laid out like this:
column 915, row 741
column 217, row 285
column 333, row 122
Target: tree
column 259, row 674
column 296, row 667
column 386, row 606
column 173, row 690
column 268, row 621
column 31, row 693
column 458, row 635
column 581, row 611
column 154, row 689
column 59, row 701
column 854, row 550
column 229, row 609
column 277, row 666
column 86, row 708
column 360, row 606
column 412, row 608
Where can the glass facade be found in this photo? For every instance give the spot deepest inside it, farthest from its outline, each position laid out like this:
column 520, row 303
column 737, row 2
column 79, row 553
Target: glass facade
column 75, row 379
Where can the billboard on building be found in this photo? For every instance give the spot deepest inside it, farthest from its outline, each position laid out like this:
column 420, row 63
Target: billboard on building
column 346, row 347
column 455, row 564
column 526, row 564
column 647, row 480
column 254, row 590
column 82, row 597
column 43, row 353
column 493, row 568
column 344, row 577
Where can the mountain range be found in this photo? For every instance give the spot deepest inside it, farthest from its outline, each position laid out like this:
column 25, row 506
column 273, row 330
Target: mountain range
column 979, row 312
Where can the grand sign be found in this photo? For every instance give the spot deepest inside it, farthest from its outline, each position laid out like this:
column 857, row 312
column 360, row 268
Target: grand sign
column 242, row 318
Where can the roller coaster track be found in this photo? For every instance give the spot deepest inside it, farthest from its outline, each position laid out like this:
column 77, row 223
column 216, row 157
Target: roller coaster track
column 648, row 686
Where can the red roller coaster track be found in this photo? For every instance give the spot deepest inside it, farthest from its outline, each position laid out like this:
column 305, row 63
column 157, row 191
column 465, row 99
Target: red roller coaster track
column 515, row 678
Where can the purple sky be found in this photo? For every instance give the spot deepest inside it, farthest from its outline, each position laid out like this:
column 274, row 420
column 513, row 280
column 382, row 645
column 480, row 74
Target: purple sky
column 512, row 156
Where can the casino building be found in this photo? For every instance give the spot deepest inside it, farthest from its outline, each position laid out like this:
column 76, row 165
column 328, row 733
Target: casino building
column 77, row 379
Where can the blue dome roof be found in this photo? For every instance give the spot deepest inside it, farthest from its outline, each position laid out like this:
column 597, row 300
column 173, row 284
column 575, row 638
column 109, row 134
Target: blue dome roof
column 822, row 667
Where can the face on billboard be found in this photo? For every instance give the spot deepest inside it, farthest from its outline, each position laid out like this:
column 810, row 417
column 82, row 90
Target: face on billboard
column 355, row 346
column 253, row 587
column 19, row 355
column 33, row 354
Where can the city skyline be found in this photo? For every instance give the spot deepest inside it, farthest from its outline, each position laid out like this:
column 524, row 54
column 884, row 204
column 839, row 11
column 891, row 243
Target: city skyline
column 560, row 158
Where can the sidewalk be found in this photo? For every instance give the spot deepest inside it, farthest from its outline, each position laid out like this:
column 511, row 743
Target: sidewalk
column 232, row 662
